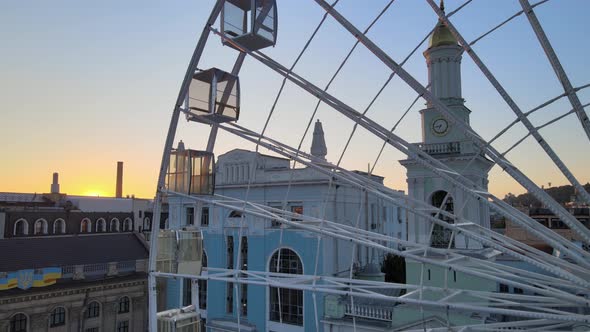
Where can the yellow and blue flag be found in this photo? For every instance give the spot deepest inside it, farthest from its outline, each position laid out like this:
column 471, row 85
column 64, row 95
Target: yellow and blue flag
column 8, row 281
column 46, row 276
column 25, row 279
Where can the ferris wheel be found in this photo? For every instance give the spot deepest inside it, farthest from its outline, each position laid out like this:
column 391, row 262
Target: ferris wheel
column 448, row 203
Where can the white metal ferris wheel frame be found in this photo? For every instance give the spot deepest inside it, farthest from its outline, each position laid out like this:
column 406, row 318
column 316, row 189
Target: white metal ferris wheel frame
column 569, row 277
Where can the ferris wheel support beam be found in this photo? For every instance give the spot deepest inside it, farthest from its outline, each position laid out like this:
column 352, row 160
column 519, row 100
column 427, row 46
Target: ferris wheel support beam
column 364, row 289
column 528, row 324
column 336, row 230
column 391, row 139
column 499, row 242
column 541, row 127
column 557, row 67
column 542, row 196
column 152, row 290
column 436, row 166
column 422, row 209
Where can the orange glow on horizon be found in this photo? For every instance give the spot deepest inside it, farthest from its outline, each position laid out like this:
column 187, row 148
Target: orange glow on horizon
column 95, row 193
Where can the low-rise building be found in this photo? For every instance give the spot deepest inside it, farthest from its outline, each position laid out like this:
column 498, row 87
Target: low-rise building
column 85, row 282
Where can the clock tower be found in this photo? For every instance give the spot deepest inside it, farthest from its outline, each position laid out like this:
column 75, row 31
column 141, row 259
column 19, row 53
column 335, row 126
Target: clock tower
column 449, row 145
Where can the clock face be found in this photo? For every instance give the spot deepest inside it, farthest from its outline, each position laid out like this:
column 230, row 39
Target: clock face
column 440, row 127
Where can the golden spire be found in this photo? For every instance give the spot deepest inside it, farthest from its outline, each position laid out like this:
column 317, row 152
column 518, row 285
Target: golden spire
column 441, row 34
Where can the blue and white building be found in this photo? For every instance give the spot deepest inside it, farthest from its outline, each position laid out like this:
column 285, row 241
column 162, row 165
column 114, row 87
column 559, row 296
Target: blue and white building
column 267, row 245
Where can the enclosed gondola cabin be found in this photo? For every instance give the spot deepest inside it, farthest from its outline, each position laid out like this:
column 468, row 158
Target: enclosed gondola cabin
column 191, row 172
column 250, row 23
column 180, row 251
column 214, row 94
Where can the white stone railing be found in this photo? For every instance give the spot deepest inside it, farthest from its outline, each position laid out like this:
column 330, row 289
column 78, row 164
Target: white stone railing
column 440, row 148
column 370, row 312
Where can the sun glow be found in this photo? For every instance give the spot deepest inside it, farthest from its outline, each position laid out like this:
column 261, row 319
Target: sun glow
column 94, row 193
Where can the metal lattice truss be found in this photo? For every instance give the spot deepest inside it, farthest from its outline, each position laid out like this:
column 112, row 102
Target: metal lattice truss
column 562, row 288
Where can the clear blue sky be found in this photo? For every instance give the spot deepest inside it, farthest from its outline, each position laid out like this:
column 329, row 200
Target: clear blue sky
column 84, row 84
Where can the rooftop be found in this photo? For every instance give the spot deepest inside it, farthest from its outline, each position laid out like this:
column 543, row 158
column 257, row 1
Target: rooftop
column 59, row 251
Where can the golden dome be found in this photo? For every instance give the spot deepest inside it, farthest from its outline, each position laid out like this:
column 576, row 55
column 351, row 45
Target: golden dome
column 441, row 36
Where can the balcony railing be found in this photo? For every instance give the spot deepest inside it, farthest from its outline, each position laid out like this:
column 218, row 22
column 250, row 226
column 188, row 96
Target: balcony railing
column 113, row 268
column 440, row 148
column 369, row 312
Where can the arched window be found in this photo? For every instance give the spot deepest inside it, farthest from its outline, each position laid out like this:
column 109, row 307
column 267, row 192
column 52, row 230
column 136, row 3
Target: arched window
column 114, row 225
column 101, row 225
column 21, row 227
column 442, row 237
column 18, row 323
column 57, row 317
column 59, row 226
column 147, row 224
column 286, row 305
column 92, row 310
column 123, row 305
column 127, row 225
column 40, row 227
column 85, row 226
column 235, row 214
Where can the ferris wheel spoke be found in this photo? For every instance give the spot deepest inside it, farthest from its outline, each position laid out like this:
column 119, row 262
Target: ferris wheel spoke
column 284, row 216
column 542, row 196
column 519, row 176
column 440, row 169
column 534, row 227
column 557, row 67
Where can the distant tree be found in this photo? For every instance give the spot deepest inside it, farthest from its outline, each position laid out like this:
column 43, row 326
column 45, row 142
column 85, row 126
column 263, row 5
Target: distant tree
column 394, row 268
column 561, row 194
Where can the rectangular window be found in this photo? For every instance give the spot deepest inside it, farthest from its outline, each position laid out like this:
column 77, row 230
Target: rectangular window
column 205, row 217
column 399, row 215
column 297, row 209
column 518, row 290
column 244, row 253
column 186, row 292
column 428, row 274
column 455, row 276
column 230, row 252
column 203, row 294
column 58, row 317
column 275, row 223
column 244, row 299
column 229, row 306
column 244, row 287
column 503, row 288
column 140, row 214
column 190, row 216
column 123, row 326
column 558, row 224
column 542, row 221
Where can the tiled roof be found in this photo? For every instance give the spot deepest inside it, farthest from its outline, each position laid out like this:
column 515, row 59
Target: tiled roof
column 30, row 253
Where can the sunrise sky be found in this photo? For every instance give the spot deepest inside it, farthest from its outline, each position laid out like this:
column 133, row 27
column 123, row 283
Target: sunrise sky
column 84, row 84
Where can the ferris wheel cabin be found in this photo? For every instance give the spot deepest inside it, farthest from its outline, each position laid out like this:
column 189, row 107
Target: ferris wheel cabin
column 191, row 172
column 214, row 94
column 250, row 23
